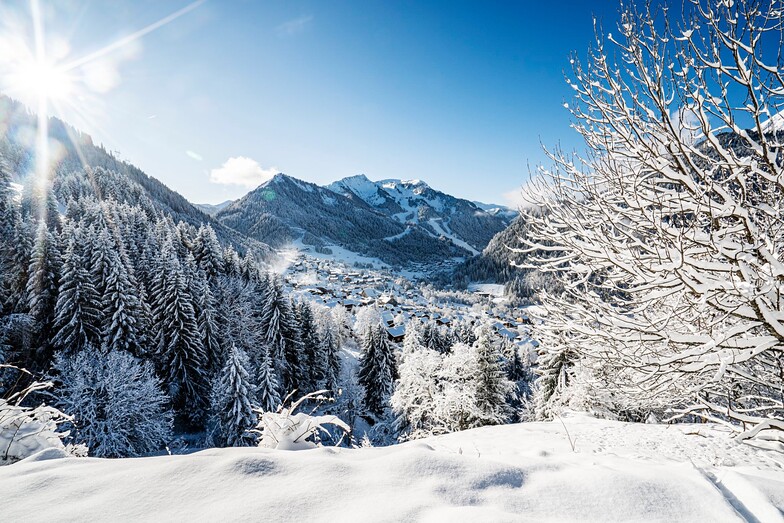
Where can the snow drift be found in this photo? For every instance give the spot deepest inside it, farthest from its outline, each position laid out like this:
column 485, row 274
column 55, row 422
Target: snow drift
column 524, row 472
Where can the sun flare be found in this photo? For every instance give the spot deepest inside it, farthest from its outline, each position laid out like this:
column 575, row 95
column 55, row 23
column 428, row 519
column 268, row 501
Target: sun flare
column 43, row 80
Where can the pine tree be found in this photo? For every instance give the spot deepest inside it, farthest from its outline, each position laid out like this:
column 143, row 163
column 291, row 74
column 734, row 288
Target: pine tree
column 121, row 307
column 181, row 353
column 433, row 339
column 207, row 251
column 102, row 249
column 376, row 371
column 464, row 333
column 412, row 340
column 492, row 386
column 554, row 367
column 515, row 370
column 77, row 319
column 267, row 392
column 42, row 284
column 232, row 399
column 279, row 332
column 312, row 358
column 9, row 217
column 19, row 273
column 206, row 319
column 331, row 355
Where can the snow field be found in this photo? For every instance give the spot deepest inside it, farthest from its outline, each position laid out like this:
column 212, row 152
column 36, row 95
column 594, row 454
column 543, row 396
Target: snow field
column 524, row 472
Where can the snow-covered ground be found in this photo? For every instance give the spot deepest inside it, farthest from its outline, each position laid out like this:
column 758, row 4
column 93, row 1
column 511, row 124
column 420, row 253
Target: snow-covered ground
column 525, row 472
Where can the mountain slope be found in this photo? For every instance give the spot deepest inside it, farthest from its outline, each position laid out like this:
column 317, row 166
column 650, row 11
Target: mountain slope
column 213, row 209
column 284, row 210
column 414, row 203
column 110, row 177
column 494, row 263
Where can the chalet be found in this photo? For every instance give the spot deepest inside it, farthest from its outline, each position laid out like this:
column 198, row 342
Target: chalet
column 350, row 303
column 388, row 318
column 396, row 333
column 387, row 300
column 370, row 292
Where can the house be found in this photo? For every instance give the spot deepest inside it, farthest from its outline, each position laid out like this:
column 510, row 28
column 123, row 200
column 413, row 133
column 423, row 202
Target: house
column 350, row 303
column 388, row 318
column 396, row 333
column 370, row 292
column 387, row 300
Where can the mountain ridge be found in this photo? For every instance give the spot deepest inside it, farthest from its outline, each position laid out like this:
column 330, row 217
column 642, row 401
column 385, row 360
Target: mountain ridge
column 414, row 202
column 399, row 222
column 285, row 210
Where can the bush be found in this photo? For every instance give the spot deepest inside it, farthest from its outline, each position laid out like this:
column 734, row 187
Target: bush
column 117, row 404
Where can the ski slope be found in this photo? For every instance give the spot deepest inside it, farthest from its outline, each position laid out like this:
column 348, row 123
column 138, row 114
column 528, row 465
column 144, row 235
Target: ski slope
column 601, row 471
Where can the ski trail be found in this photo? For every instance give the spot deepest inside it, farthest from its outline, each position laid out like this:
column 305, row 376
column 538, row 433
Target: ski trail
column 749, row 503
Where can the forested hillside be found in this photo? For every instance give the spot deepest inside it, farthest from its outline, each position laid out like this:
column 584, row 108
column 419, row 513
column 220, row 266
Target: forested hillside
column 108, row 177
column 285, row 209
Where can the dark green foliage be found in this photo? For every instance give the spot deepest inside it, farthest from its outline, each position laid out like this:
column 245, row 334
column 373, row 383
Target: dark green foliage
column 377, row 370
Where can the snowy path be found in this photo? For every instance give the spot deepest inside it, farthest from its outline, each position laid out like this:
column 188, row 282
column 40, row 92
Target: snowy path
column 526, row 472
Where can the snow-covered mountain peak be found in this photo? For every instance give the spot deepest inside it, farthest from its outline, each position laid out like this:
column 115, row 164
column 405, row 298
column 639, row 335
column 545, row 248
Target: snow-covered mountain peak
column 775, row 123
column 360, row 186
column 413, row 202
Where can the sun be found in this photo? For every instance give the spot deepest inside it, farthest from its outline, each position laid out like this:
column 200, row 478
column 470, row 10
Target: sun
column 44, row 81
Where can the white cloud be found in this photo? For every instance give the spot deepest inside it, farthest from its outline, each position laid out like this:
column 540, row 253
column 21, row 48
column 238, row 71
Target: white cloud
column 536, row 189
column 514, row 198
column 241, row 170
column 294, row 26
column 196, row 156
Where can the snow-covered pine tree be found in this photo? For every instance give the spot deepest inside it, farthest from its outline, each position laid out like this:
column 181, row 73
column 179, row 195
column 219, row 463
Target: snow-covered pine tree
column 207, row 251
column 267, row 390
column 19, row 274
column 206, row 319
column 180, row 351
column 343, row 324
column 279, row 331
column 434, row 339
column 42, row 283
column 102, row 249
column 492, row 387
column 417, row 391
column 232, row 399
column 513, row 364
column 9, row 217
column 412, row 340
column 331, row 356
column 313, row 360
column 121, row 307
column 77, row 319
column 231, row 261
column 464, row 333
column 554, row 373
column 236, row 317
column 376, row 373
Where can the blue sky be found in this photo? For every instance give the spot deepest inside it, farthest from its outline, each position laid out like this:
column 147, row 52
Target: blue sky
column 459, row 94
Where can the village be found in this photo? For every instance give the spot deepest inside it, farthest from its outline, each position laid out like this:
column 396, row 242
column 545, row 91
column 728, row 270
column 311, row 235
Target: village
column 332, row 283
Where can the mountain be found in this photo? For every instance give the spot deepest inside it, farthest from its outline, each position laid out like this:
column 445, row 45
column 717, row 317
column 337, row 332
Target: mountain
column 213, row 209
column 498, row 210
column 416, row 204
column 494, row 263
column 285, row 210
column 109, row 177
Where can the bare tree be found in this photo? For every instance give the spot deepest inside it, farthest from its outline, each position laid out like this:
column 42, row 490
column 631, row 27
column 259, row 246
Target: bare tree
column 669, row 231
